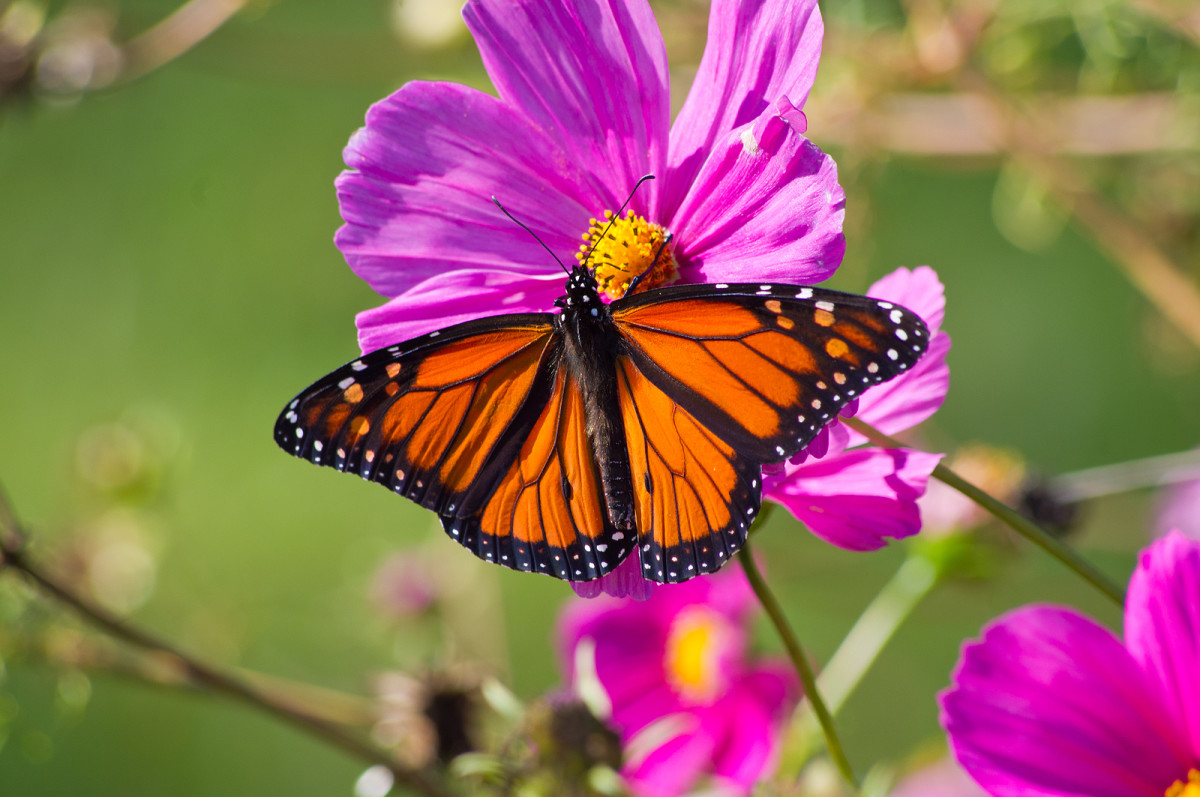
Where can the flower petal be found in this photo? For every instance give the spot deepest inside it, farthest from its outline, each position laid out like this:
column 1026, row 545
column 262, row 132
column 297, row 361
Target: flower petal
column 766, row 206
column 1162, row 628
column 857, row 499
column 1050, row 704
column 756, row 708
column 427, row 163
column 592, row 75
column 625, row 581
column 453, row 298
column 670, row 768
column 757, row 51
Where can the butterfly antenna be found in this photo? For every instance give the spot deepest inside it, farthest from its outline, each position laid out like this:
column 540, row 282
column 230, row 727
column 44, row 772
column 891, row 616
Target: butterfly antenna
column 633, row 283
column 516, row 221
column 621, row 210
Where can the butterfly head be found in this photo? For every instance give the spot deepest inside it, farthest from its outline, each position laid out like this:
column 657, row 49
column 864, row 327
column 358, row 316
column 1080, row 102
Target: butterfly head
column 581, row 297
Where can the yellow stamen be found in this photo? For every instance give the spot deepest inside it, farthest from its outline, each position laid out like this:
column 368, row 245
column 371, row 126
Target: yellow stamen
column 1189, row 789
column 625, row 251
column 694, row 651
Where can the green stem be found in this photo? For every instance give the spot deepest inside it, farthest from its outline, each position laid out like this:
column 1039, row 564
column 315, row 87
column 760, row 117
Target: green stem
column 872, row 631
column 796, row 654
column 874, row 628
column 1010, row 517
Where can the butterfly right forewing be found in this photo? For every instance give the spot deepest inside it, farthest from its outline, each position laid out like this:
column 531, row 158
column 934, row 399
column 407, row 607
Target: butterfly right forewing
column 765, row 367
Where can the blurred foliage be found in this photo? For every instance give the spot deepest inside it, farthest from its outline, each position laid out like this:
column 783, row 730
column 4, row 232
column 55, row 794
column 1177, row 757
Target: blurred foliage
column 167, row 280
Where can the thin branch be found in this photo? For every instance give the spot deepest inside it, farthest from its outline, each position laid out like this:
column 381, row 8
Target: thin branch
column 1007, row 515
column 799, row 662
column 189, row 25
column 13, row 556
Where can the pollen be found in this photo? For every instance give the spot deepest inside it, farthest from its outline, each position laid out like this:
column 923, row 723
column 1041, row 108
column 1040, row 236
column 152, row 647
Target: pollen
column 632, row 246
column 1190, row 788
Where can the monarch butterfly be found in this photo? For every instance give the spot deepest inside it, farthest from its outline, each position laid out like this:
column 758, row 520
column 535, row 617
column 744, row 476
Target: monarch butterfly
column 561, row 443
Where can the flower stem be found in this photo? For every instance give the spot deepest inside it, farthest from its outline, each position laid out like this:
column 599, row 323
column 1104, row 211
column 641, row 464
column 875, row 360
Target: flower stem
column 1007, row 515
column 875, row 627
column 796, row 654
column 13, row 556
column 914, row 579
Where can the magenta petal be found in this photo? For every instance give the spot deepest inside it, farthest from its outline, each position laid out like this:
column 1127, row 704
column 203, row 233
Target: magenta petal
column 592, row 75
column 625, row 581
column 757, row 51
column 670, row 769
column 1162, row 629
column 1049, row 704
column 910, row 398
column 756, row 708
column 426, row 165
column 857, row 499
column 766, row 206
column 452, row 298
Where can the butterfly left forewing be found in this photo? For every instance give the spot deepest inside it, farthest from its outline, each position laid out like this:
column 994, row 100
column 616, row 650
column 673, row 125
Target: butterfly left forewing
column 765, row 367
column 433, row 419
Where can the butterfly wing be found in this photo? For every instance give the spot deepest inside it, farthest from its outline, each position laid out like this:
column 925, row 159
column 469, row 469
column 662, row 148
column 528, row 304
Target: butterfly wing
column 765, row 367
column 483, row 424
column 437, row 419
column 547, row 512
column 717, row 380
column 694, row 495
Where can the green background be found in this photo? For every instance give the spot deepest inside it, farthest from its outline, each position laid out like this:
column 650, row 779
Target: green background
column 166, row 254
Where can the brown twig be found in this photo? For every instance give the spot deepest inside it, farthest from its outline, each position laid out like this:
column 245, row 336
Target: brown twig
column 14, row 557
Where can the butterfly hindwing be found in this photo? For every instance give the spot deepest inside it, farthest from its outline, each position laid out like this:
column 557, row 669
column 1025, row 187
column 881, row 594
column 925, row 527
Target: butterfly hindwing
column 432, row 419
column 765, row 367
column 694, row 495
column 547, row 513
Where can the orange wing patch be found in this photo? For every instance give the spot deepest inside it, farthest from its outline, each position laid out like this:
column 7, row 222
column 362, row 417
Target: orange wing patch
column 547, row 514
column 427, row 419
column 765, row 367
column 694, row 495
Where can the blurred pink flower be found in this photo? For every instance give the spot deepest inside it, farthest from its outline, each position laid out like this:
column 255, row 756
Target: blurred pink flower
column 403, row 586
column 1178, row 508
column 1049, row 703
column 682, row 690
column 582, row 112
column 943, row 778
column 857, row 496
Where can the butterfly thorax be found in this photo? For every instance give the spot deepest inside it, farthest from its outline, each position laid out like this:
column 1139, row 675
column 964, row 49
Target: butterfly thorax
column 590, row 344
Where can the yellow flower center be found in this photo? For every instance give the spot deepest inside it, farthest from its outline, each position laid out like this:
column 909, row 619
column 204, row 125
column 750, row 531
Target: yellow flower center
column 1191, row 788
column 698, row 642
column 631, row 247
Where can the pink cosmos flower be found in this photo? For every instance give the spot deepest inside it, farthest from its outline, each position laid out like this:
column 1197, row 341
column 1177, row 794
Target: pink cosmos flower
column 856, row 496
column 1049, row 703
column 684, row 695
column 583, row 111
